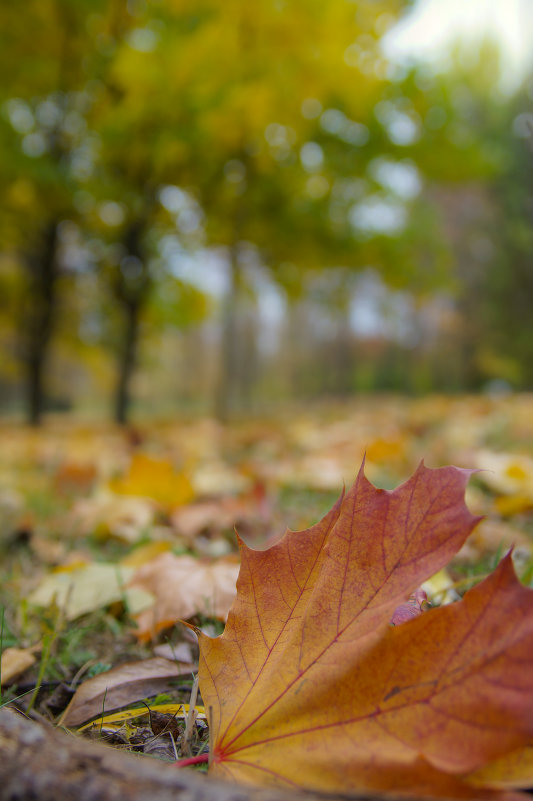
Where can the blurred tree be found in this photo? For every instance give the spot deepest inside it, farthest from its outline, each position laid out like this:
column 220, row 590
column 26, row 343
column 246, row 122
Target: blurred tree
column 224, row 103
column 48, row 65
column 267, row 181
column 505, row 350
column 275, row 134
column 80, row 153
column 484, row 197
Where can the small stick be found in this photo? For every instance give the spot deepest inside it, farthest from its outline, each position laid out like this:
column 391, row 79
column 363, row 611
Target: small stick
column 191, row 717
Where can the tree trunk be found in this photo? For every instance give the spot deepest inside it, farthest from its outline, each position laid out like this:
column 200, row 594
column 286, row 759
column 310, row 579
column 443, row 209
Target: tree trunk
column 126, row 365
column 41, row 763
column 39, row 322
column 226, row 390
column 131, row 287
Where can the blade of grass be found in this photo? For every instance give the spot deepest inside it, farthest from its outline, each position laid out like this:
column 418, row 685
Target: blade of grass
column 48, row 640
column 16, row 698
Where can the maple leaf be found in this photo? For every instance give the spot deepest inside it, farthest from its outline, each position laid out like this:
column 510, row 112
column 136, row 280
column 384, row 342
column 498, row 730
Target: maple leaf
column 311, row 686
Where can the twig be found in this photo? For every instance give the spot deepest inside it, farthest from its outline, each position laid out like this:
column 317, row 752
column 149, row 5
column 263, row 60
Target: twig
column 191, row 717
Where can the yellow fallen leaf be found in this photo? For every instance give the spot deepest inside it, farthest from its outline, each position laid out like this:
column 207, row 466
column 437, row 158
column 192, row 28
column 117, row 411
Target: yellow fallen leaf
column 508, row 505
column 517, row 471
column 145, row 553
column 156, row 479
column 116, row 719
column 513, row 770
column 386, row 450
column 440, row 588
column 83, row 589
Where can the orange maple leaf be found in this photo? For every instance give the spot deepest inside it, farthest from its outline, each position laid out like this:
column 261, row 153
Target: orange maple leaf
column 311, row 686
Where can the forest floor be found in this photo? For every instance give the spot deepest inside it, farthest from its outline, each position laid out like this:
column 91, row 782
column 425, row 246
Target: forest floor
column 109, row 537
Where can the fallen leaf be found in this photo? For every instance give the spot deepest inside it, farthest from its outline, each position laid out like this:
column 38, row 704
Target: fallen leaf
column 161, row 722
column 510, row 771
column 145, row 553
column 83, row 588
column 385, row 451
column 75, row 477
column 509, row 505
column 180, row 652
column 110, row 515
column 511, row 475
column 155, row 479
column 118, row 718
column 215, row 477
column 15, row 661
column 183, row 587
column 121, row 686
column 308, row 665
column 414, row 606
column 212, row 515
column 441, row 587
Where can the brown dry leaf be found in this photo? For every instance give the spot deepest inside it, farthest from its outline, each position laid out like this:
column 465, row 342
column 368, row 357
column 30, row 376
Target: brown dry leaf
column 121, row 686
column 75, row 477
column 249, row 512
column 213, row 514
column 184, row 587
column 15, row 661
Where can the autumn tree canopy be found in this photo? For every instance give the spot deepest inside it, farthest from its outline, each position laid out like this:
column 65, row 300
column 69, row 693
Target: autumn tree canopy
column 166, row 164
